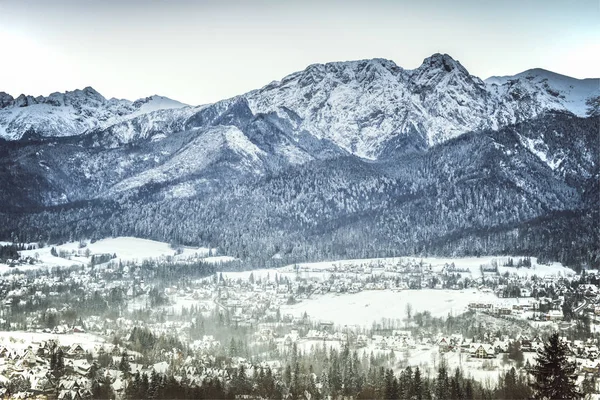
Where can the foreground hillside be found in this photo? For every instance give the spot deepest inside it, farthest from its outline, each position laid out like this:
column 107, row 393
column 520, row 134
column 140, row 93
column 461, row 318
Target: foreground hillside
column 132, row 318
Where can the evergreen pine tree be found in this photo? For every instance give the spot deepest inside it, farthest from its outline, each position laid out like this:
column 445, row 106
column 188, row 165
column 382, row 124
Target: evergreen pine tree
column 469, row 395
column 124, row 366
column 133, row 389
column 296, row 385
column 59, row 364
column 554, row 374
column 396, row 391
column 417, row 385
column 144, row 387
column 153, row 386
column 312, row 385
column 455, row 386
column 287, row 376
column 441, row 386
column 102, row 390
column 389, row 384
column 269, row 383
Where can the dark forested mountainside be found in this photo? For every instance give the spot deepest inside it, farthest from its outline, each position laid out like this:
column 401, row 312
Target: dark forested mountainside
column 530, row 188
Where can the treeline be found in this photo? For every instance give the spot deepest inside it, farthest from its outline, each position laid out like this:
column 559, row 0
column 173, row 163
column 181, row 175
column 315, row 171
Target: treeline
column 11, row 251
column 297, row 383
column 161, row 386
column 342, row 374
column 257, row 238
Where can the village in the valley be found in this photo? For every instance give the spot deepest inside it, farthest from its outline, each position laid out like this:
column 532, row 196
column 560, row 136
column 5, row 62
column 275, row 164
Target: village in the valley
column 78, row 319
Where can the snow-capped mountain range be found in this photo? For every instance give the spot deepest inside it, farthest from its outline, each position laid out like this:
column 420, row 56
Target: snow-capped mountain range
column 360, row 157
column 368, row 108
column 71, row 113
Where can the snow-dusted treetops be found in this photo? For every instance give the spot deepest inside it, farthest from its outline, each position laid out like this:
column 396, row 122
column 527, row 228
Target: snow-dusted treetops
column 360, row 156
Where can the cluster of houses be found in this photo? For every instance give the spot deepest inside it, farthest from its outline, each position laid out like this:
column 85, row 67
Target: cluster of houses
column 31, row 364
column 255, row 303
column 529, row 308
column 251, row 301
column 488, row 349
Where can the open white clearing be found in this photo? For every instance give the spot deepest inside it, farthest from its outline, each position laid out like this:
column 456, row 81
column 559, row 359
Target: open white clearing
column 135, row 249
column 366, row 307
column 323, row 269
column 472, row 264
column 22, row 339
column 125, row 248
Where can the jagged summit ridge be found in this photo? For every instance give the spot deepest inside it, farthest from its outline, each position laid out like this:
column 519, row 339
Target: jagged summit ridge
column 370, row 108
column 365, row 105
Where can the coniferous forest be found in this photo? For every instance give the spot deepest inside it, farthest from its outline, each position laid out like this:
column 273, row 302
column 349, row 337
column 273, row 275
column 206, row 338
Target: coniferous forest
column 435, row 202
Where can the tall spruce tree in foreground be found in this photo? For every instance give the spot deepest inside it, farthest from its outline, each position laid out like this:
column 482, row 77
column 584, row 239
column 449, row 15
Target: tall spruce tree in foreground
column 554, row 374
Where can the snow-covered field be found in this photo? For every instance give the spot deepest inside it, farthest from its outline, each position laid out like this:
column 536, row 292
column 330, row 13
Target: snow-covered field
column 125, row 248
column 136, row 249
column 370, row 306
column 429, row 358
column 22, row 339
column 44, row 260
column 471, row 264
column 323, row 270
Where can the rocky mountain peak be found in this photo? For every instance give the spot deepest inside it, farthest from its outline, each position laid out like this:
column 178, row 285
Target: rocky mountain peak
column 442, row 61
column 442, row 69
column 5, row 99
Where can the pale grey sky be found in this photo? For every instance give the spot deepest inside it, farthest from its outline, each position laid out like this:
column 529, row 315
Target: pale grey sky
column 203, row 51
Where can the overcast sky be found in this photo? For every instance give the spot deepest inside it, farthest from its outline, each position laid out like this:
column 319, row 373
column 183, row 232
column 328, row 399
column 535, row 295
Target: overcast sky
column 203, row 51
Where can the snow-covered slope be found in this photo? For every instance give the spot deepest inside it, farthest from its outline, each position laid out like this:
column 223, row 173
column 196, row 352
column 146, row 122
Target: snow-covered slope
column 356, row 105
column 546, row 89
column 215, row 145
column 154, row 124
column 447, row 100
column 71, row 113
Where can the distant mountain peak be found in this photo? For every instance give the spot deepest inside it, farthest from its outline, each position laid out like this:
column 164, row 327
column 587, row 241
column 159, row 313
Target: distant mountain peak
column 540, row 89
column 355, row 64
column 536, row 73
column 444, row 61
column 25, row 100
column 88, row 90
column 71, row 113
column 87, row 95
column 5, row 99
column 157, row 102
